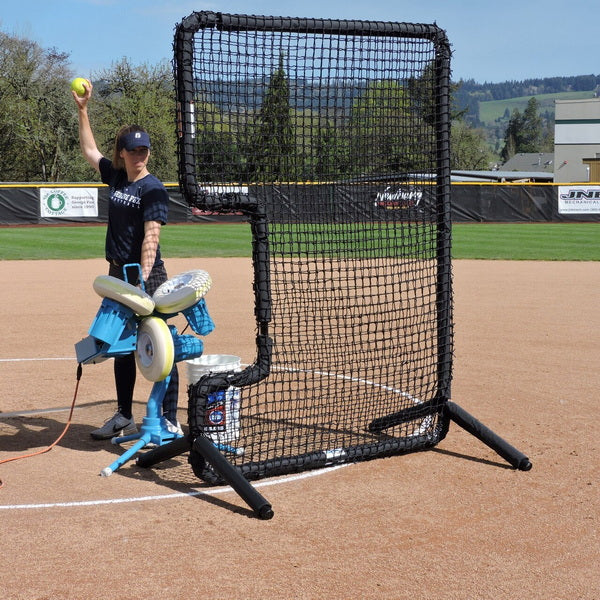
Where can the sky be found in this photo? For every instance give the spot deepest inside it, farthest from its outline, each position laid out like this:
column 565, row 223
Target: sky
column 492, row 41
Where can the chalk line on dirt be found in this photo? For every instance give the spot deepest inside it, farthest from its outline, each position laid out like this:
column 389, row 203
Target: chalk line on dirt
column 215, row 492
column 78, row 503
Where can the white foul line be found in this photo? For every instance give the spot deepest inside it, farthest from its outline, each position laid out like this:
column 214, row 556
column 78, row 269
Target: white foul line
column 214, row 492
column 35, row 359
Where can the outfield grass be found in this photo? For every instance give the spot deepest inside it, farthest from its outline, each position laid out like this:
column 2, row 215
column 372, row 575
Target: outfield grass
column 523, row 241
column 35, row 243
column 527, row 241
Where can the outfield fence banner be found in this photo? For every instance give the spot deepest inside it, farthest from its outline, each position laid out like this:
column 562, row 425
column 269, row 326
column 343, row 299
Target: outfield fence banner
column 44, row 204
column 57, row 203
column 62, row 204
column 514, row 203
column 579, row 200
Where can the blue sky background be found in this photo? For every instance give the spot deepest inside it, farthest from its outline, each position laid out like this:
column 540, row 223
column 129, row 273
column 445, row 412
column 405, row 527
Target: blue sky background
column 492, row 41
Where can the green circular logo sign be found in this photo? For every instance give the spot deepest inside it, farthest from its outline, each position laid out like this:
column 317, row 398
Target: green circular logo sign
column 56, row 202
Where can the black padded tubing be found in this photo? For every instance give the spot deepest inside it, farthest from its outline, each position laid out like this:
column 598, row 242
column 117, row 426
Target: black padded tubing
column 418, row 411
column 233, row 477
column 315, row 460
column 453, row 412
column 229, row 22
column 203, row 451
column 162, row 453
column 469, row 423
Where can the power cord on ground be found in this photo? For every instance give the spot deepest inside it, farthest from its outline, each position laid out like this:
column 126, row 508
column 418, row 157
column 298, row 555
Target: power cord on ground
column 60, row 437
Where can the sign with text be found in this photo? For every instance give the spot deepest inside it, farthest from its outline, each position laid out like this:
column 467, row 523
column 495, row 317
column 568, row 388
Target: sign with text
column 68, row 202
column 579, row 200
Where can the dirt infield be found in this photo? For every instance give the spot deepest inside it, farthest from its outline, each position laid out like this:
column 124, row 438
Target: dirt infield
column 451, row 523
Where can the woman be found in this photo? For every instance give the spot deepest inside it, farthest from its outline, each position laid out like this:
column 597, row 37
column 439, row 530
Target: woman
column 138, row 207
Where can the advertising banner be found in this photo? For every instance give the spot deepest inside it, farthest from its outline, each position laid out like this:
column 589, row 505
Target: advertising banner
column 68, row 202
column 470, row 203
column 579, row 200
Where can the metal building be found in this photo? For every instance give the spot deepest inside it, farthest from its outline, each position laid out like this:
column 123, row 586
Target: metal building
column 577, row 141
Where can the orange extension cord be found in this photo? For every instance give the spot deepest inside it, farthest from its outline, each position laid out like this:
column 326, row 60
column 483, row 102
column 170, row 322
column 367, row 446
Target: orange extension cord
column 60, row 437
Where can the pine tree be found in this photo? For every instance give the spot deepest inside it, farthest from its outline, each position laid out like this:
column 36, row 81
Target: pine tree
column 524, row 131
column 272, row 141
column 531, row 129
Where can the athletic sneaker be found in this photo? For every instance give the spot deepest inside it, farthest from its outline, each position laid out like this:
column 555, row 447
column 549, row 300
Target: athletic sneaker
column 117, row 425
column 171, row 427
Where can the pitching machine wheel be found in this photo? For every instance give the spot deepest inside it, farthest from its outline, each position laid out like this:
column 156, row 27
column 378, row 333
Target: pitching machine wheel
column 132, row 297
column 182, row 291
column 155, row 352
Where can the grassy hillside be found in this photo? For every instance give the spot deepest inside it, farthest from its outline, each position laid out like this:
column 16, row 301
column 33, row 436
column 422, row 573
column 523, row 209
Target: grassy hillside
column 491, row 110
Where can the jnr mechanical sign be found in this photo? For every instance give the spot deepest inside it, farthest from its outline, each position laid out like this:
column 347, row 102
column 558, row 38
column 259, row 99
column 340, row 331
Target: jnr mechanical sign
column 580, row 199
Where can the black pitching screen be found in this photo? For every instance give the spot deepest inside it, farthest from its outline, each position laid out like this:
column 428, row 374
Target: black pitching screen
column 333, row 138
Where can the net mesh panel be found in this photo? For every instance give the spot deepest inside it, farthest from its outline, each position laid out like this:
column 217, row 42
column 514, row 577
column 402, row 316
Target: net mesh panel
column 336, row 134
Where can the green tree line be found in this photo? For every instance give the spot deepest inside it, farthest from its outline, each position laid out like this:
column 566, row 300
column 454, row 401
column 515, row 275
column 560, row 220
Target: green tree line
column 528, row 87
column 38, row 117
column 386, row 129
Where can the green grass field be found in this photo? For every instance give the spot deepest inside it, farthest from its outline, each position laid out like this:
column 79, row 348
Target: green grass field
column 523, row 241
column 527, row 241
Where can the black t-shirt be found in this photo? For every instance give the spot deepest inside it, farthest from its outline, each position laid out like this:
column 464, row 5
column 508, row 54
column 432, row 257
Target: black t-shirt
column 130, row 205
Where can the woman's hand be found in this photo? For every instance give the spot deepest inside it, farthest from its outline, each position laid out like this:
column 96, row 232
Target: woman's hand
column 86, row 137
column 82, row 101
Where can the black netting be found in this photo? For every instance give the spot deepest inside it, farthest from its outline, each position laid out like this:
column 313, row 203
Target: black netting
column 333, row 137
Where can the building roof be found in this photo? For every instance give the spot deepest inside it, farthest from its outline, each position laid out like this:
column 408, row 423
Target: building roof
column 502, row 176
column 530, row 161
